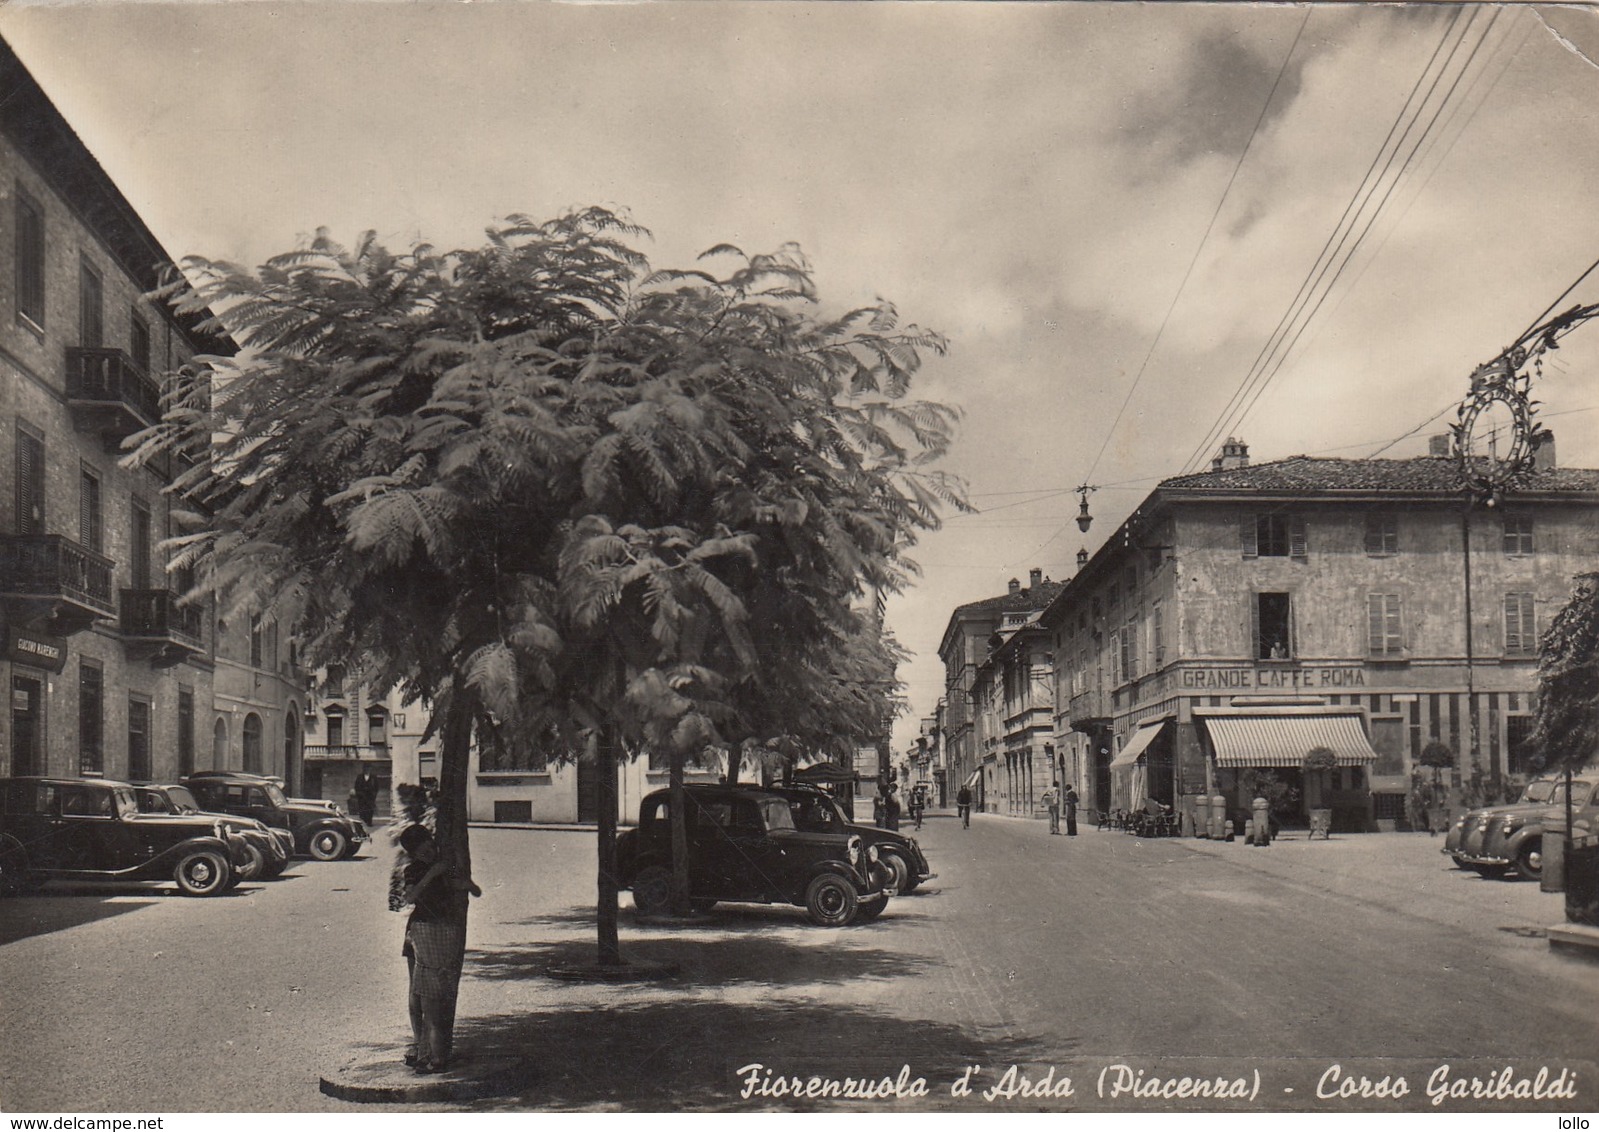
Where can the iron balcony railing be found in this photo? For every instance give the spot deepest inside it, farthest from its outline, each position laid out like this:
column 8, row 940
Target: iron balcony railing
column 1092, row 704
column 100, row 376
column 157, row 614
column 53, row 567
column 362, row 752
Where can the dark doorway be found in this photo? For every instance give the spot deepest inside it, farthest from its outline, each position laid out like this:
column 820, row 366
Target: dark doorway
column 588, row 794
column 1101, row 753
column 27, row 725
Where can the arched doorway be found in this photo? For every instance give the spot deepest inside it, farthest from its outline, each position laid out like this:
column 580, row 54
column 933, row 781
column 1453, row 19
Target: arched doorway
column 252, row 744
column 219, row 745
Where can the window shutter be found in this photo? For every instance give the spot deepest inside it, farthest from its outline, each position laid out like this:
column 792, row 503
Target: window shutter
column 1297, row 547
column 1254, row 626
column 1247, row 541
column 1396, row 626
column 1512, row 623
column 1373, row 534
column 30, row 482
column 1374, row 623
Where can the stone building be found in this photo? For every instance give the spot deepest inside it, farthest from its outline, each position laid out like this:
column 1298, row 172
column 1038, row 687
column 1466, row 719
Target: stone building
column 108, row 674
column 1243, row 616
column 968, row 640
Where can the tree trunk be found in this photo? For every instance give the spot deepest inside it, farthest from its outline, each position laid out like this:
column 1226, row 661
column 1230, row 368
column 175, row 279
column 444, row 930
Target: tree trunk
column 610, row 947
column 680, row 892
column 450, row 817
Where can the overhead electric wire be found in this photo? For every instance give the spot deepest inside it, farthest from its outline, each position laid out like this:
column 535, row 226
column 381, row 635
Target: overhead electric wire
column 1217, row 428
column 1282, row 358
column 1203, row 240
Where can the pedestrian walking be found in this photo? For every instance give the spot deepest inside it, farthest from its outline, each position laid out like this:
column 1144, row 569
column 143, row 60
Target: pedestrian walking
column 1051, row 802
column 435, row 939
column 918, row 804
column 365, row 794
column 963, row 805
column 1069, row 800
column 891, row 808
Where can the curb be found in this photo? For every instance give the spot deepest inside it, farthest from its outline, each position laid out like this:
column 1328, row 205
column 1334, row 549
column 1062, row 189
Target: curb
column 630, row 972
column 386, row 1079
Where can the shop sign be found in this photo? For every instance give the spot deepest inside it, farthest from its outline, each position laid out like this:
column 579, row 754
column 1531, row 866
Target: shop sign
column 36, row 650
column 1242, row 679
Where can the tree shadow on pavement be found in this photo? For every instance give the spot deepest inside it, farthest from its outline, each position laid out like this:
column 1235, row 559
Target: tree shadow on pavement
column 27, row 916
column 663, row 1056
column 715, row 961
column 728, row 917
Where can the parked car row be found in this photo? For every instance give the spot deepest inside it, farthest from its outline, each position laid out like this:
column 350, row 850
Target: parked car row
column 206, row 835
column 1495, row 841
column 768, row 845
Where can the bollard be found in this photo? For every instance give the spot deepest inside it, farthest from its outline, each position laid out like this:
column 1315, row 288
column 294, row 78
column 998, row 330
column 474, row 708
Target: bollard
column 1202, row 816
column 1218, row 817
column 1552, row 876
column 1249, row 831
column 1262, row 822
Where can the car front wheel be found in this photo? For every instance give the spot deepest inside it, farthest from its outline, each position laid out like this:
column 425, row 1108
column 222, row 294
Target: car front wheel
column 203, row 873
column 830, row 901
column 899, row 881
column 255, row 866
column 328, row 844
column 1529, row 858
column 652, row 890
column 15, row 876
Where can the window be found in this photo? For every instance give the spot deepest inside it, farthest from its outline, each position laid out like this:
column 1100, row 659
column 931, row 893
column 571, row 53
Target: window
column 1158, row 633
column 91, row 718
column 1273, row 629
column 255, row 641
column 91, row 306
column 1521, row 634
column 1518, row 535
column 90, row 523
column 1519, row 752
column 335, row 729
column 30, row 481
column 1382, row 535
column 185, row 732
column 139, row 547
column 138, row 738
column 139, row 342
column 252, row 744
column 1384, row 627
column 1128, row 652
column 1273, row 535
column 30, row 261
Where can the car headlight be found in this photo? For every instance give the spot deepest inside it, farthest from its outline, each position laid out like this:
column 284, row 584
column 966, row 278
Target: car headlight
column 218, row 832
column 1510, row 826
column 872, row 854
column 854, row 848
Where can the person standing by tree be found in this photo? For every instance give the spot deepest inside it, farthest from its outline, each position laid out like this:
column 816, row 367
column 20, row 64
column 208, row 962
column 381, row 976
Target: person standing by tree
column 1069, row 800
column 1051, row 802
column 432, row 950
column 891, row 808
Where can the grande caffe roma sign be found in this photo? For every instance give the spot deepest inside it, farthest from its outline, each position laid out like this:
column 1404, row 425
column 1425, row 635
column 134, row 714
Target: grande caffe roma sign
column 1245, row 679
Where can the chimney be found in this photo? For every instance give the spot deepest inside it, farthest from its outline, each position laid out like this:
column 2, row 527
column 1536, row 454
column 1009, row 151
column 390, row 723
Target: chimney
column 1234, row 454
column 1543, row 450
column 1034, row 577
column 1440, row 445
column 1015, row 586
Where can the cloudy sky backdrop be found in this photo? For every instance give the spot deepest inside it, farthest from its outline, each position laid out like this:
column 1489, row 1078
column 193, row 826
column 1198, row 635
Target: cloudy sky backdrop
column 1108, row 208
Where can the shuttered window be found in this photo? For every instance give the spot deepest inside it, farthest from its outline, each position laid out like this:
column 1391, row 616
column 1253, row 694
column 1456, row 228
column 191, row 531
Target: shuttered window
column 1384, row 625
column 30, row 260
column 139, row 551
column 139, row 342
column 1273, row 535
column 138, row 738
column 1521, row 634
column 1382, row 535
column 91, row 718
column 90, row 520
column 1158, row 629
column 30, row 482
column 91, row 306
column 1518, row 535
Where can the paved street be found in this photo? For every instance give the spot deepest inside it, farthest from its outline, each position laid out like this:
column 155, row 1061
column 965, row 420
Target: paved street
column 1172, row 957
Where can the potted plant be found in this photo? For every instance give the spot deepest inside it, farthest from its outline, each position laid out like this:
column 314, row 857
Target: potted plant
column 1438, row 755
column 1317, row 764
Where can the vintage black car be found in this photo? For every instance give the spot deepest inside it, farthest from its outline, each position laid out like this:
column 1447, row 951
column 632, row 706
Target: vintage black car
column 321, row 830
column 743, row 846
column 1466, row 836
column 270, row 848
column 91, row 829
column 1513, row 838
column 819, row 812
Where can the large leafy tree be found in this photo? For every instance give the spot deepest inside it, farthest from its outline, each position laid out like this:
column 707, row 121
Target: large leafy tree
column 560, row 497
column 1566, row 727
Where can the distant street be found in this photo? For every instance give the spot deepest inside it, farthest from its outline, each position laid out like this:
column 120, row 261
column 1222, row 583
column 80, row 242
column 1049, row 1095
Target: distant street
column 1034, row 950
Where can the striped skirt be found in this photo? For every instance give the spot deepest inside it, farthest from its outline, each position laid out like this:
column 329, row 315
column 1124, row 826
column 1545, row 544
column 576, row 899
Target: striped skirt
column 436, row 948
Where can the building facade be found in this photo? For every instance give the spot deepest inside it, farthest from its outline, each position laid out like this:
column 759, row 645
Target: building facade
column 1244, row 616
column 972, row 748
column 108, row 673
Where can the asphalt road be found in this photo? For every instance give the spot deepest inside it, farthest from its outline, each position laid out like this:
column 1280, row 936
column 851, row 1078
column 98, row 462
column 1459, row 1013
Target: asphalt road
column 1059, row 956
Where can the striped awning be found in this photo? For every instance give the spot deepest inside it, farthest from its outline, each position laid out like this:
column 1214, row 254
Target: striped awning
column 1267, row 739
column 1137, row 745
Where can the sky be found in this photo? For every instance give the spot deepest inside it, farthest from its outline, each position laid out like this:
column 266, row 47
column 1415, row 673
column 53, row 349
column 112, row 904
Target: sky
column 1109, row 209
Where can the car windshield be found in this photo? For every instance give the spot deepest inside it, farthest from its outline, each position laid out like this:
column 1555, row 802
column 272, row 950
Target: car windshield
column 181, row 800
column 1579, row 793
column 774, row 811
column 127, row 805
column 274, row 795
column 1539, row 791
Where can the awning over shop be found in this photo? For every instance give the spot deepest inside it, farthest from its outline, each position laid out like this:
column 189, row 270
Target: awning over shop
column 1283, row 738
column 819, row 774
column 971, row 779
column 1137, row 745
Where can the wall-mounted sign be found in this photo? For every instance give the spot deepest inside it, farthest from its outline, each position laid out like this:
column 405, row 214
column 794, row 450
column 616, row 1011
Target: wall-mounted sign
column 1237, row 678
column 36, row 650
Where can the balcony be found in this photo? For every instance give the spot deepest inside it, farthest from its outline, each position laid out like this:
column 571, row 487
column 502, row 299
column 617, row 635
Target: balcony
column 157, row 629
column 1089, row 709
column 325, row 752
column 55, row 583
column 109, row 394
